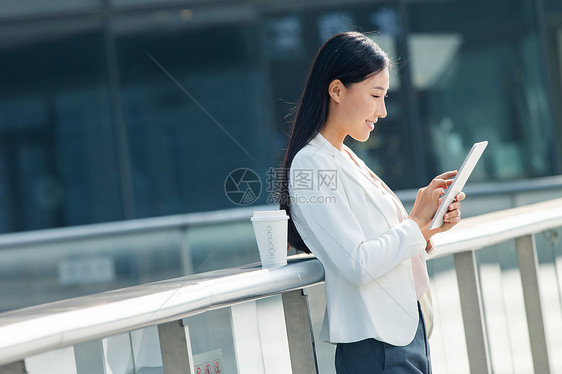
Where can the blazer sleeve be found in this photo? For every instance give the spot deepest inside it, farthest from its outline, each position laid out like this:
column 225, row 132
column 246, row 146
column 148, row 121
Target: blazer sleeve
column 331, row 230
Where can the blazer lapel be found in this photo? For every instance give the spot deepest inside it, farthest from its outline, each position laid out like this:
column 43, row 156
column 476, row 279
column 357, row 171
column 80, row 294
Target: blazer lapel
column 372, row 193
column 400, row 205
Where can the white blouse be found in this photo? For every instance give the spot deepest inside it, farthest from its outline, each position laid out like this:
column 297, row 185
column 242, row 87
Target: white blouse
column 419, row 268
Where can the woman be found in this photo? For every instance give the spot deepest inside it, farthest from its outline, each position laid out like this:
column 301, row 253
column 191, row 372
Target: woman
column 372, row 251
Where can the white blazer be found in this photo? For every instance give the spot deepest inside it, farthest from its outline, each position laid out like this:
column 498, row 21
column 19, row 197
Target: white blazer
column 365, row 250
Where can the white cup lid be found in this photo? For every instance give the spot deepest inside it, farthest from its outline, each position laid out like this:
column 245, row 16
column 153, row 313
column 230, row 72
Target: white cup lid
column 270, row 214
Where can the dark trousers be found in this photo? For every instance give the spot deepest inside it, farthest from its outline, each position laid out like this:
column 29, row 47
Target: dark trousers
column 371, row 356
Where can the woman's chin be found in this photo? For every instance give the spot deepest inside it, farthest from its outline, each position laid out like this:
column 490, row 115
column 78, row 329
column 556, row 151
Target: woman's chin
column 362, row 137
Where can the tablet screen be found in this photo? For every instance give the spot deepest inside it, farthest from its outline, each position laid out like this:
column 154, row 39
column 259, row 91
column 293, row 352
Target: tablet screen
column 458, row 183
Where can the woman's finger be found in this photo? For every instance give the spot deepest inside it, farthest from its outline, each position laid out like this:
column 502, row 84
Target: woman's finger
column 435, row 183
column 452, row 214
column 455, row 220
column 436, row 194
column 440, row 183
column 452, row 222
column 450, row 219
column 447, row 175
column 454, row 205
column 460, row 196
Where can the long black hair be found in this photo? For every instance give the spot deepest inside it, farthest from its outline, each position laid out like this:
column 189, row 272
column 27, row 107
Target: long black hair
column 350, row 57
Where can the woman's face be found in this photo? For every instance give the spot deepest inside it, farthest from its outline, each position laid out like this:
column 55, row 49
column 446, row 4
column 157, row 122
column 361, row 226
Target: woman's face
column 362, row 104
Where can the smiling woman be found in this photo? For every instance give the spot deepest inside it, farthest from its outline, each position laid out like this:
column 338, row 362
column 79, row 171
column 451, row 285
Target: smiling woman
column 372, row 251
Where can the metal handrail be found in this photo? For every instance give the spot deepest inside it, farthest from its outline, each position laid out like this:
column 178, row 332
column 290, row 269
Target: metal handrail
column 173, row 222
column 32, row 330
column 46, row 327
column 488, row 229
column 229, row 215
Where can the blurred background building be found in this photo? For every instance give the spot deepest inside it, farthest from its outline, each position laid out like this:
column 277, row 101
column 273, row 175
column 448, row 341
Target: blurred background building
column 94, row 130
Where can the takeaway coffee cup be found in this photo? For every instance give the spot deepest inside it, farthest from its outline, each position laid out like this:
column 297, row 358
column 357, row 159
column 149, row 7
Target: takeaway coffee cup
column 270, row 228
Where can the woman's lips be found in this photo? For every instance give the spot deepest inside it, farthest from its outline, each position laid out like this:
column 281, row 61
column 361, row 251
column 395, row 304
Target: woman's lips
column 370, row 124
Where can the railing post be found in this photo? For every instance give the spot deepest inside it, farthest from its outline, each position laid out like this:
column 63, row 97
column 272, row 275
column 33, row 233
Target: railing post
column 175, row 348
column 299, row 332
column 528, row 267
column 13, row 368
column 471, row 305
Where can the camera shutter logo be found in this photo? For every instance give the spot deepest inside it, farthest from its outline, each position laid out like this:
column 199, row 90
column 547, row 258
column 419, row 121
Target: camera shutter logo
column 242, row 186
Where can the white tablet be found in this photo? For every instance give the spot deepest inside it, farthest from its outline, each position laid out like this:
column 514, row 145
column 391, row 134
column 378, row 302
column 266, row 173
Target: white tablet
column 458, row 183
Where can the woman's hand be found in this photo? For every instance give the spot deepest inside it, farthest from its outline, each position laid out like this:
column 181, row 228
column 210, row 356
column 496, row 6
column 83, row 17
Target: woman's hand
column 450, row 219
column 453, row 215
column 427, row 202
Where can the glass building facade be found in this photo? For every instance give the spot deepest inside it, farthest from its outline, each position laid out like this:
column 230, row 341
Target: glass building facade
column 124, row 109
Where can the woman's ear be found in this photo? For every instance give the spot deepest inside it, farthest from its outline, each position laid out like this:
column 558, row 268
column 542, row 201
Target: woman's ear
column 335, row 90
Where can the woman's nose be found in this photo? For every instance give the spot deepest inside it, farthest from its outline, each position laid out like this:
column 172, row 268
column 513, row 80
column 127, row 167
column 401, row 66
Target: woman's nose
column 381, row 110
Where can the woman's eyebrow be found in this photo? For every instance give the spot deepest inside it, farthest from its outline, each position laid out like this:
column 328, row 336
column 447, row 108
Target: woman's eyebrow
column 379, row 88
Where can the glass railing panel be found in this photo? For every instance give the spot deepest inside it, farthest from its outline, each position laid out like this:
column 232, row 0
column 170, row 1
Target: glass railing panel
column 58, row 361
column 223, row 245
column 504, row 309
column 212, row 341
column 146, row 351
column 90, row 357
column 249, row 337
column 37, row 274
column 325, row 352
column 447, row 341
column 273, row 335
column 118, row 354
column 132, row 352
